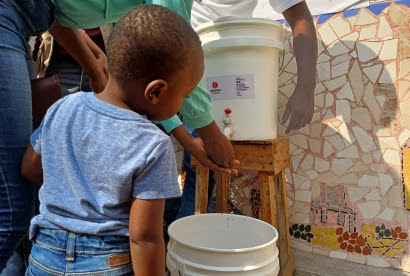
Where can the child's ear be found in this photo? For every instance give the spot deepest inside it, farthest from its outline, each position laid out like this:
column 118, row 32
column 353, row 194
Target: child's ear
column 154, row 90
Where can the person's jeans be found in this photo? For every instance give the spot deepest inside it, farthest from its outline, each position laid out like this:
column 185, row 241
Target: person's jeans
column 71, row 75
column 18, row 20
column 188, row 194
column 57, row 252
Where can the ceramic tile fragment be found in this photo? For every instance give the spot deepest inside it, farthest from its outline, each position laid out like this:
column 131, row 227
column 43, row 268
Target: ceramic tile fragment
column 327, row 34
column 295, row 160
column 328, row 115
column 323, row 71
column 320, row 100
column 404, row 137
column 307, row 162
column 319, row 88
column 305, row 196
column 336, row 141
column 389, row 50
column 357, row 167
column 368, row 50
column 362, row 117
column 356, row 194
column 397, row 15
column 389, row 73
column 373, row 72
column 366, row 141
column 371, row 102
column 339, row 166
column 380, row 99
column 340, row 26
column 299, row 140
column 284, row 77
column 287, row 90
column 377, row 155
column 338, row 255
column 312, row 174
column 350, row 40
column 395, row 196
column 350, row 152
column 401, row 218
column 327, row 149
column 404, row 67
column 292, row 67
column 340, row 69
column 387, row 214
column 384, row 28
column 373, row 195
column 329, row 100
column 365, row 18
column 341, row 58
column 321, row 165
column 323, row 58
column 356, row 81
column 389, row 142
column 343, row 110
column 369, row 209
column 345, row 92
column 300, row 181
column 319, row 47
column 368, row 180
column 356, row 258
column 353, row 54
column 368, row 32
column 392, row 157
column 315, row 145
column 337, row 48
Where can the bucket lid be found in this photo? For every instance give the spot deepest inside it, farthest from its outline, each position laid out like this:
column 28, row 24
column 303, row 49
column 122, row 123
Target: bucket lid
column 233, row 20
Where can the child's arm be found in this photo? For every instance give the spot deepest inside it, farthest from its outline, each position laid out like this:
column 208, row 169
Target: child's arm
column 196, row 147
column 31, row 168
column 146, row 237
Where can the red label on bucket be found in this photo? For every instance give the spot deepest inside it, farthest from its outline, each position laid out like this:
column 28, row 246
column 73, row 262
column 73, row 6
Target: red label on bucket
column 214, row 85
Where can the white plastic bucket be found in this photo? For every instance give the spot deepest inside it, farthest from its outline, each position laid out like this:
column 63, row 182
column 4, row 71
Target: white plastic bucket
column 222, row 244
column 241, row 73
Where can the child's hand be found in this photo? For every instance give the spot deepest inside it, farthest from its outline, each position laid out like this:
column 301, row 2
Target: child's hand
column 197, row 150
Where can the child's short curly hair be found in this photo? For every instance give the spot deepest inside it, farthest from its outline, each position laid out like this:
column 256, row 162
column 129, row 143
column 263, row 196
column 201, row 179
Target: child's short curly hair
column 150, row 41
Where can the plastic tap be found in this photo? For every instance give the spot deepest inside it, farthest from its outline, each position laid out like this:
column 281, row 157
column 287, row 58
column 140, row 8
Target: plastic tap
column 227, row 121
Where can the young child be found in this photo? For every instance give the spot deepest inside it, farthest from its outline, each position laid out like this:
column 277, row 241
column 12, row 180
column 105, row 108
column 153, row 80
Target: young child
column 105, row 169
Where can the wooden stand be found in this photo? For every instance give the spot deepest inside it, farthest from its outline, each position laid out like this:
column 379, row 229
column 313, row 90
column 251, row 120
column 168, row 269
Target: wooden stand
column 270, row 159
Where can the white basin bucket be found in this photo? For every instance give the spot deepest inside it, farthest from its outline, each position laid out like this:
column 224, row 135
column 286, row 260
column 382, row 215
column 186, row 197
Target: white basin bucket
column 241, row 73
column 222, row 244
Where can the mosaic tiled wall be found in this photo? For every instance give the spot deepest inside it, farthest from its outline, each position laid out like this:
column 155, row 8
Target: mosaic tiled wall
column 345, row 185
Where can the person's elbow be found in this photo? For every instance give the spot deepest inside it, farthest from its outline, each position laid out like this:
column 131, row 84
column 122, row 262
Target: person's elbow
column 31, row 167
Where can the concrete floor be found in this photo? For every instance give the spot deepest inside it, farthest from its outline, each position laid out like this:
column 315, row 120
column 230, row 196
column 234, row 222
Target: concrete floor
column 309, row 264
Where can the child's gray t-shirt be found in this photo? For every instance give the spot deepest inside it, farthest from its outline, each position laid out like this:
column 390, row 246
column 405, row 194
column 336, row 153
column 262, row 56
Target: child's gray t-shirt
column 96, row 157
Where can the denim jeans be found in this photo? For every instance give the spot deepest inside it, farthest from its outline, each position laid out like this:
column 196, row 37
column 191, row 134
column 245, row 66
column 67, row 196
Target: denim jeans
column 72, row 77
column 57, row 252
column 18, row 20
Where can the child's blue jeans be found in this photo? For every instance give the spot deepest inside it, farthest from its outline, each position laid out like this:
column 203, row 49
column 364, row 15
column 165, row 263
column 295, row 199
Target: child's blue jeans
column 57, row 252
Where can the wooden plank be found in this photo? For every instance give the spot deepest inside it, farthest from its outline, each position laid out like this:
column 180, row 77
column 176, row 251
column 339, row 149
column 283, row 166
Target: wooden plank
column 267, row 194
column 254, row 157
column 282, row 218
column 288, row 267
column 281, row 156
column 222, row 183
column 201, row 190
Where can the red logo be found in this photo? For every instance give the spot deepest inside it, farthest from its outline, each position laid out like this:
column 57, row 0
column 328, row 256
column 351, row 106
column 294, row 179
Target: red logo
column 214, row 85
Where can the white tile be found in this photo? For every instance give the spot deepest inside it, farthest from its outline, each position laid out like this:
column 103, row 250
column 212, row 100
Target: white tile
column 323, row 58
column 389, row 142
column 356, row 81
column 387, row 214
column 343, row 110
column 356, row 258
column 389, row 73
column 338, row 255
column 340, row 69
column 346, row 92
column 321, row 165
column 353, row 54
column 373, row 72
column 350, row 152
column 347, row 136
column 392, row 157
column 329, row 100
column 296, row 160
column 341, row 58
column 299, row 140
column 305, row 196
column 328, row 114
column 362, row 117
column 368, row 50
column 365, row 18
column 356, row 194
column 299, row 180
column 312, row 174
column 401, row 218
column 369, row 209
column 319, row 47
column 368, row 32
column 320, row 100
column 384, row 28
column 371, row 102
column 336, row 141
column 327, row 34
column 377, row 262
column 337, row 48
column 366, row 142
column 319, row 88
column 340, row 166
column 284, row 77
column 380, row 99
column 373, row 195
column 339, row 26
column 292, row 67
column 404, row 136
column 335, row 83
column 323, row 71
column 327, row 149
column 350, row 40
column 404, row 67
column 389, row 50
column 396, row 196
column 287, row 89
column 307, row 163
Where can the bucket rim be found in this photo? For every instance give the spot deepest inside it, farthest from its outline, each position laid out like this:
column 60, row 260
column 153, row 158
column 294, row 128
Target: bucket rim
column 233, row 20
column 241, row 250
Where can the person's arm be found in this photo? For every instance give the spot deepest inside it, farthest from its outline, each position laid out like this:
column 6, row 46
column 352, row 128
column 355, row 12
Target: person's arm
column 196, row 147
column 301, row 104
column 31, row 167
column 85, row 52
column 146, row 237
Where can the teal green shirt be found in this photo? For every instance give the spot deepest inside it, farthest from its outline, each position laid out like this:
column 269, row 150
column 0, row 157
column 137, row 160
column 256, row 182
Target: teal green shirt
column 86, row 14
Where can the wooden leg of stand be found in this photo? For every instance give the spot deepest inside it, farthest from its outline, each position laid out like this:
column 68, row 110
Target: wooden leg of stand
column 286, row 256
column 222, row 182
column 201, row 190
column 267, row 194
